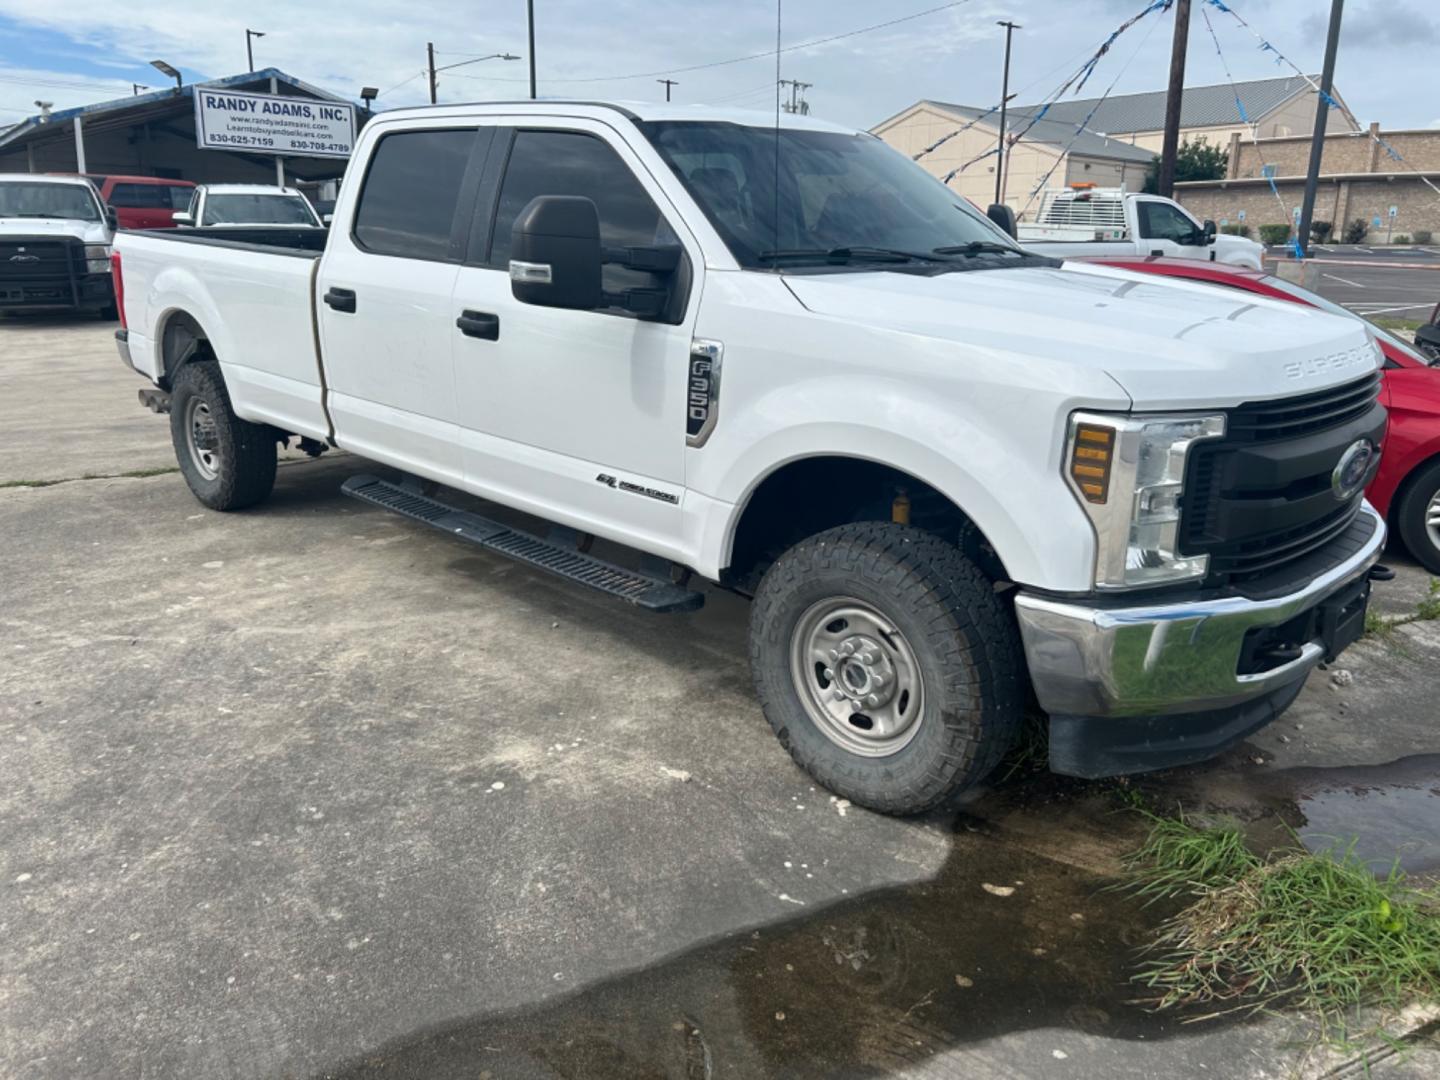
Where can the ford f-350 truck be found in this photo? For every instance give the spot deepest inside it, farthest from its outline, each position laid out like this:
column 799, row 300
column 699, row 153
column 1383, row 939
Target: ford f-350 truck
column 953, row 475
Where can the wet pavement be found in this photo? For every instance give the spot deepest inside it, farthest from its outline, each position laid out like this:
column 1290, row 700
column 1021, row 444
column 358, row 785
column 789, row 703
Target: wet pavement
column 1390, row 813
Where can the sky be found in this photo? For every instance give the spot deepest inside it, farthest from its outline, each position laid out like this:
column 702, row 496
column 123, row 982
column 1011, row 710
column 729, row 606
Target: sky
column 77, row 51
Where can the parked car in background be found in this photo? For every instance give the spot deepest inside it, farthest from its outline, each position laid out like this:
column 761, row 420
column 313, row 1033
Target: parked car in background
column 1088, row 220
column 143, row 202
column 220, row 205
column 948, row 470
column 55, row 237
column 1407, row 487
column 1427, row 337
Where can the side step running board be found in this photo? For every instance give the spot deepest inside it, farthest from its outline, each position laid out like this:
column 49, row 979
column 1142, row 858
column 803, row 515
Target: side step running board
column 650, row 593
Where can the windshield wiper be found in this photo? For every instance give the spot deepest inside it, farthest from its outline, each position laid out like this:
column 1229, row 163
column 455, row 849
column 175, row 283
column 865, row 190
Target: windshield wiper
column 841, row 255
column 977, row 247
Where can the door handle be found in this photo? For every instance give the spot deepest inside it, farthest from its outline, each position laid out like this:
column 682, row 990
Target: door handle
column 479, row 324
column 341, row 299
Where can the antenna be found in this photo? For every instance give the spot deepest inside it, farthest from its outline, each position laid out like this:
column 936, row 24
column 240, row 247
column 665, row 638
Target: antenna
column 775, row 218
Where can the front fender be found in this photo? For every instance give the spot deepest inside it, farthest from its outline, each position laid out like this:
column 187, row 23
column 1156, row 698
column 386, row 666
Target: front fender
column 999, row 464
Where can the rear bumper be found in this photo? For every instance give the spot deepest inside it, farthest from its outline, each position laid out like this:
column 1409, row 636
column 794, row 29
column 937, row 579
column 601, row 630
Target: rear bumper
column 1140, row 687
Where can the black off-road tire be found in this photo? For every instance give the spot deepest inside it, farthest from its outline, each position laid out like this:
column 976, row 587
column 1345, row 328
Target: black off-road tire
column 962, row 634
column 243, row 454
column 1410, row 516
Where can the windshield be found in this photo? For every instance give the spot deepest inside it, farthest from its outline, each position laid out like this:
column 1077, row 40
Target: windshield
column 257, row 209
column 828, row 192
column 1335, row 309
column 37, row 199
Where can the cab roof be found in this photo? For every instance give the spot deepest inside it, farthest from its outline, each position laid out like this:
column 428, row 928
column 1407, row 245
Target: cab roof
column 638, row 111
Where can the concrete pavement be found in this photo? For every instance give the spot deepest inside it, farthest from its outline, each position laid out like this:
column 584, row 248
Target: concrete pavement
column 311, row 791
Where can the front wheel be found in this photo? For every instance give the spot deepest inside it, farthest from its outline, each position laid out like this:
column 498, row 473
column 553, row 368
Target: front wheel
column 228, row 462
column 887, row 665
column 1417, row 517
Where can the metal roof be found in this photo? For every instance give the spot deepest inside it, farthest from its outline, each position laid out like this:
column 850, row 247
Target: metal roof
column 126, row 111
column 1050, row 132
column 1201, row 106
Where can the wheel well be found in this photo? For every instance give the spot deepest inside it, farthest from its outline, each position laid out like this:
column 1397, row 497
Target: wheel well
column 182, row 340
column 813, row 494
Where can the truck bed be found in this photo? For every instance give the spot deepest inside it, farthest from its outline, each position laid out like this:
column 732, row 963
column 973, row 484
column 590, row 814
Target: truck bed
column 251, row 290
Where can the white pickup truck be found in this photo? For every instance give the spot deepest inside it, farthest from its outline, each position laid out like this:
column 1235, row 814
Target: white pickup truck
column 1112, row 221
column 950, row 473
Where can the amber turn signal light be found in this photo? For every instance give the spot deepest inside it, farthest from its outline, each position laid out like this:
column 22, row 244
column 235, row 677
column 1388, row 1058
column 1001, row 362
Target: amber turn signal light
column 1094, row 448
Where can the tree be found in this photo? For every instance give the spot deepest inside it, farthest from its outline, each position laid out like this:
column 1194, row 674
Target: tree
column 1196, row 160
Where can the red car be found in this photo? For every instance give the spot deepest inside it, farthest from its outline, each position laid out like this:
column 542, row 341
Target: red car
column 144, row 202
column 1407, row 487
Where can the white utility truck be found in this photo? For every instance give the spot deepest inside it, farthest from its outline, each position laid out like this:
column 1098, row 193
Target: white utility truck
column 952, row 474
column 248, row 205
column 1087, row 220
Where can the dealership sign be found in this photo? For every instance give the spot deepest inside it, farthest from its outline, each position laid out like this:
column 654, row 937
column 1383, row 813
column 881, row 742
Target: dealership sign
column 269, row 124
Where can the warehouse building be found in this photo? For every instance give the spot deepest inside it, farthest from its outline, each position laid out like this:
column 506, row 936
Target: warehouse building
column 154, row 134
column 1115, row 144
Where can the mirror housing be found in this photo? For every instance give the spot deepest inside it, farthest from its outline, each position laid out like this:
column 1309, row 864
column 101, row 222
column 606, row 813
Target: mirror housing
column 1208, row 231
column 326, row 219
column 111, row 219
column 1003, row 216
column 555, row 254
column 182, row 217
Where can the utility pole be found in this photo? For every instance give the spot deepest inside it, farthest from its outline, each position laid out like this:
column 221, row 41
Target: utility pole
column 668, row 83
column 1010, row 28
column 1171, row 146
column 430, row 57
column 249, row 51
column 530, row 9
column 797, row 104
column 1317, row 137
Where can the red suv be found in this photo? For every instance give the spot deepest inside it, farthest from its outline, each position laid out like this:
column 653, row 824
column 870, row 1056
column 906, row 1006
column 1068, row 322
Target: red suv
column 1407, row 487
column 144, row 202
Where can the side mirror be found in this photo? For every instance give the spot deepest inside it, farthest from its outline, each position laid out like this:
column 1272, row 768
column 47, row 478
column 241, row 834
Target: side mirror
column 111, row 219
column 182, row 217
column 1208, row 231
column 555, row 254
column 327, row 218
column 1003, row 216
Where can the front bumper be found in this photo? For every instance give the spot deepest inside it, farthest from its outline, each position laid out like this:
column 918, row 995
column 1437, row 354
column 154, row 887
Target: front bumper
column 1156, row 685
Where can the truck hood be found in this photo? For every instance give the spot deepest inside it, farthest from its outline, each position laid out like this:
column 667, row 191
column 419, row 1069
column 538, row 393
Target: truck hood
column 91, row 232
column 1169, row 346
column 1238, row 251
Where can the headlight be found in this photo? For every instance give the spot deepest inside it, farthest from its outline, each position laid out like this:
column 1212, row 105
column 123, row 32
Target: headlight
column 1129, row 474
column 97, row 258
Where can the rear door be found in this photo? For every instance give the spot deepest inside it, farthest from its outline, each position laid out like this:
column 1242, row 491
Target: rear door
column 383, row 297
column 140, row 206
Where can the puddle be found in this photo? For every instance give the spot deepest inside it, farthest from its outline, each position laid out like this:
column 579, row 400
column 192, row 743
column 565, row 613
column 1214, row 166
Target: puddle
column 1390, row 812
column 912, row 981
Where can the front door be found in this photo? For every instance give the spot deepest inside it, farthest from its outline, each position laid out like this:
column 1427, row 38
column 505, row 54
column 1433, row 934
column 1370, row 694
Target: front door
column 1165, row 229
column 574, row 415
column 383, row 295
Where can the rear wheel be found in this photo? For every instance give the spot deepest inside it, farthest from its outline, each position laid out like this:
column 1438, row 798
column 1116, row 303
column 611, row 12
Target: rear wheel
column 1417, row 517
column 228, row 462
column 887, row 665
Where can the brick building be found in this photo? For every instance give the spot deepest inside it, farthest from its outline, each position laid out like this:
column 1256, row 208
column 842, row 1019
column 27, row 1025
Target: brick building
column 1358, row 179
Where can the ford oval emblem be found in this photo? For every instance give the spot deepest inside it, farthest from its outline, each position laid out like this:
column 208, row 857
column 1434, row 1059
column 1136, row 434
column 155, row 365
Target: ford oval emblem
column 1352, row 469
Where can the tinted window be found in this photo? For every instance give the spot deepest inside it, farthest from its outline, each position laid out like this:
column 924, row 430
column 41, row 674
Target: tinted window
column 1161, row 221
column 179, row 196
column 257, row 210
column 140, row 196
column 408, row 203
column 569, row 163
column 834, row 190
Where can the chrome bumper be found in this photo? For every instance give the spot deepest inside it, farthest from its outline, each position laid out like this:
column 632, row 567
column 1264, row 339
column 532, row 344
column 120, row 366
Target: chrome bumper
column 1162, row 659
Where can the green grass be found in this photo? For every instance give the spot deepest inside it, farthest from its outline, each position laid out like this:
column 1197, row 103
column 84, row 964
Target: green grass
column 130, row 475
column 1427, row 610
column 1389, row 322
column 1315, row 932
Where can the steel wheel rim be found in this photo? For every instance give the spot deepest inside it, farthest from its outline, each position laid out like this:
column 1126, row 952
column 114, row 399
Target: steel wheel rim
column 202, row 439
column 1432, row 519
column 857, row 677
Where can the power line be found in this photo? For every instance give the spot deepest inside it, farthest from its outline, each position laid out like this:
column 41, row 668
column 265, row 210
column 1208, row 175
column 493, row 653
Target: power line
column 419, row 74
column 766, row 55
